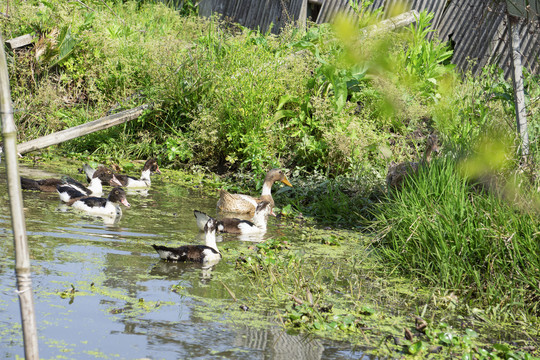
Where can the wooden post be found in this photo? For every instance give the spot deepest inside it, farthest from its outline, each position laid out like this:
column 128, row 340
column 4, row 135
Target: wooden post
column 390, row 24
column 517, row 77
column 80, row 130
column 20, row 41
column 22, row 257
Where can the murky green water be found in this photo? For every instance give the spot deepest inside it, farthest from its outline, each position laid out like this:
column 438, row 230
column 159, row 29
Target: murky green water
column 124, row 305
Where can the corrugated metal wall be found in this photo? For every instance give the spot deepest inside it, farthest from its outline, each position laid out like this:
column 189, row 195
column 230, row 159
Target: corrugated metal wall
column 261, row 14
column 476, row 27
column 479, row 30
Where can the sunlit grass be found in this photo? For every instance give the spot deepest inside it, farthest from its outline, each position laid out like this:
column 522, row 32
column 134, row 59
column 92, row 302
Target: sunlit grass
column 442, row 229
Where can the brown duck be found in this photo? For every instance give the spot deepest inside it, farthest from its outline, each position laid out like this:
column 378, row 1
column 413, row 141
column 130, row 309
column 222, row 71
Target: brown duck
column 398, row 172
column 245, row 204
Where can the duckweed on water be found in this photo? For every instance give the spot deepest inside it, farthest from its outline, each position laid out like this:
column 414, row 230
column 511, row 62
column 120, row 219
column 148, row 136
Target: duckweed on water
column 307, row 293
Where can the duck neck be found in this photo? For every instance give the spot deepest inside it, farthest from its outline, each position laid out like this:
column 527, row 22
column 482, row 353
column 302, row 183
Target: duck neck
column 145, row 176
column 95, row 186
column 267, row 188
column 210, row 240
column 259, row 220
column 427, row 154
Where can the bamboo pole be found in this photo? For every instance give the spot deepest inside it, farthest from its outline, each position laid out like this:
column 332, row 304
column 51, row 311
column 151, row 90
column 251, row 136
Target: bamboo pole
column 391, row 24
column 22, row 257
column 80, row 130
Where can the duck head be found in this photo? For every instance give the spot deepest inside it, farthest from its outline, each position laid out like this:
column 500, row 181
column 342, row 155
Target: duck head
column 211, row 226
column 264, row 208
column 118, row 195
column 277, row 175
column 152, row 165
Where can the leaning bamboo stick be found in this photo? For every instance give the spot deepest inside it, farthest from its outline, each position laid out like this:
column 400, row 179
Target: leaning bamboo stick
column 22, row 257
column 80, row 130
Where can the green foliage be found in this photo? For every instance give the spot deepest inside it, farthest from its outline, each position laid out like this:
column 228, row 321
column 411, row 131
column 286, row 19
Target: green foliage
column 343, row 201
column 439, row 229
column 425, row 61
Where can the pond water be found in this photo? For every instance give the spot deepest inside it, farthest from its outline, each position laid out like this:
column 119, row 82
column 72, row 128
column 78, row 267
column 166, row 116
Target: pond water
column 100, row 290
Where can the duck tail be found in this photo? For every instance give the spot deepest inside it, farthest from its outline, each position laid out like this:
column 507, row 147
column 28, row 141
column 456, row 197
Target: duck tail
column 201, row 218
column 29, row 184
column 89, row 171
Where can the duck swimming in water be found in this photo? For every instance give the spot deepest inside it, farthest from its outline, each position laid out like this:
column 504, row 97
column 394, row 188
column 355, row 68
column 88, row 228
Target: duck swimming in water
column 150, row 167
column 72, row 189
column 103, row 206
column 238, row 226
column 207, row 253
column 245, row 204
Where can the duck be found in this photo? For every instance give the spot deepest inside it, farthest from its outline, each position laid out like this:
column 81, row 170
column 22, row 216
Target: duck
column 102, row 206
column 207, row 253
column 240, row 226
column 44, row 185
column 398, row 172
column 150, row 167
column 99, row 172
column 72, row 189
column 245, row 204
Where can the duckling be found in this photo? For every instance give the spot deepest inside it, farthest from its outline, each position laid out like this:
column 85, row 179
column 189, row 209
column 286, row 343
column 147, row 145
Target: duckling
column 239, row 226
column 245, row 204
column 205, row 254
column 398, row 172
column 102, row 206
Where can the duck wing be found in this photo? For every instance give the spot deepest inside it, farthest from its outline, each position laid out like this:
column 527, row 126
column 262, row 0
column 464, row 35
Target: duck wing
column 236, row 203
column 69, row 193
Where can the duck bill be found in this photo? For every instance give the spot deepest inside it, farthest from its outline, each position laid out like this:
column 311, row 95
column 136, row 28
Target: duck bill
column 272, row 212
column 125, row 202
column 286, row 182
column 158, row 171
column 115, row 182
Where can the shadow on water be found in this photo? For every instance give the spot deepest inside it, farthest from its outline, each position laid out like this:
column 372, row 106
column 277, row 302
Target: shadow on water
column 101, row 291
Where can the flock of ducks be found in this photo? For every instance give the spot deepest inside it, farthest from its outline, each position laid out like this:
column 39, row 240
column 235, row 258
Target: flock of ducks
column 89, row 200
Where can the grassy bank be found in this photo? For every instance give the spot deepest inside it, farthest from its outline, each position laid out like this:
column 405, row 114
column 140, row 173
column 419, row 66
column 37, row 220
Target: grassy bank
column 235, row 102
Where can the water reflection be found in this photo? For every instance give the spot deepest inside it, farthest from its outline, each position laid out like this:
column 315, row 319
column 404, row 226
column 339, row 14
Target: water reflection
column 175, row 270
column 278, row 344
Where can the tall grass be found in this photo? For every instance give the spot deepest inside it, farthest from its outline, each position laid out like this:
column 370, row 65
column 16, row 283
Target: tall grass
column 437, row 228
